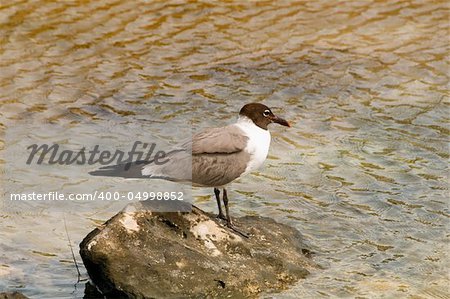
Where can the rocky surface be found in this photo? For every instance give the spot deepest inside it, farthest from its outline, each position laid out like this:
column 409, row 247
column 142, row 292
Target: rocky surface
column 12, row 295
column 144, row 254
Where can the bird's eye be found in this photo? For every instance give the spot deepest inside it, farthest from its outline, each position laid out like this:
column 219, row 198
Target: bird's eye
column 266, row 113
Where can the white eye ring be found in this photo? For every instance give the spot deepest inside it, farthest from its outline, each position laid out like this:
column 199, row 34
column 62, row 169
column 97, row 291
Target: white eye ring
column 266, row 113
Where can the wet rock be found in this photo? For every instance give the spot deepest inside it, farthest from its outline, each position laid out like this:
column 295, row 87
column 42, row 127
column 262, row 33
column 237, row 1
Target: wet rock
column 12, row 295
column 91, row 292
column 144, row 254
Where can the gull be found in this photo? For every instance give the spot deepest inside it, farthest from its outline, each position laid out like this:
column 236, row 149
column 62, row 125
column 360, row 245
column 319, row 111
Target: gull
column 214, row 157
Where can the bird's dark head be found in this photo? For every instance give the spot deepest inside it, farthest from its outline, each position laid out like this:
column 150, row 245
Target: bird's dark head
column 261, row 115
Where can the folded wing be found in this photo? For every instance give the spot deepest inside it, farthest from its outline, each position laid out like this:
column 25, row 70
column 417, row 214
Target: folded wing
column 213, row 157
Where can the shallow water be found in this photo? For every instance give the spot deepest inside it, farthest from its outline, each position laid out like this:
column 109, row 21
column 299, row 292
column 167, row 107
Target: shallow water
column 362, row 173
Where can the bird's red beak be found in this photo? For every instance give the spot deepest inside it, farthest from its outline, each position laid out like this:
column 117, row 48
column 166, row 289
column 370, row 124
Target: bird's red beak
column 280, row 121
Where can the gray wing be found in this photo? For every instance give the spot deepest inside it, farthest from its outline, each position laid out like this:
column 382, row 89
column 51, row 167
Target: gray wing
column 213, row 157
column 215, row 170
column 226, row 140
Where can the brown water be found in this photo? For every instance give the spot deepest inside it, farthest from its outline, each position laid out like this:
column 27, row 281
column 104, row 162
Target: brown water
column 362, row 173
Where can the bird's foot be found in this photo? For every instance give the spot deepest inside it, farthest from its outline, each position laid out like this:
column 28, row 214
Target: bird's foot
column 238, row 231
column 221, row 216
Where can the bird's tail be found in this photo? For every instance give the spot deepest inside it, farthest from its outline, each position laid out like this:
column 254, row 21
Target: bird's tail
column 124, row 170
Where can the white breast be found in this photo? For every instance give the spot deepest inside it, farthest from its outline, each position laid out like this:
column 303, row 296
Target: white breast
column 258, row 143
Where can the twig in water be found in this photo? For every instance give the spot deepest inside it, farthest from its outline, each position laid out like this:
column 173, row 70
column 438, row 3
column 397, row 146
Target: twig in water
column 71, row 250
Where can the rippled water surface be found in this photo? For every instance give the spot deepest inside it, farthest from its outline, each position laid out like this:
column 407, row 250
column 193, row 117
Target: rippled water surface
column 362, row 173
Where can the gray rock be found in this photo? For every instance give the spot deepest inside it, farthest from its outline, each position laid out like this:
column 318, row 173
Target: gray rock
column 12, row 295
column 144, row 254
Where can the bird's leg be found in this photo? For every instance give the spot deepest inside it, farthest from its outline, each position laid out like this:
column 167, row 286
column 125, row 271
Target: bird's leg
column 227, row 211
column 217, row 193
